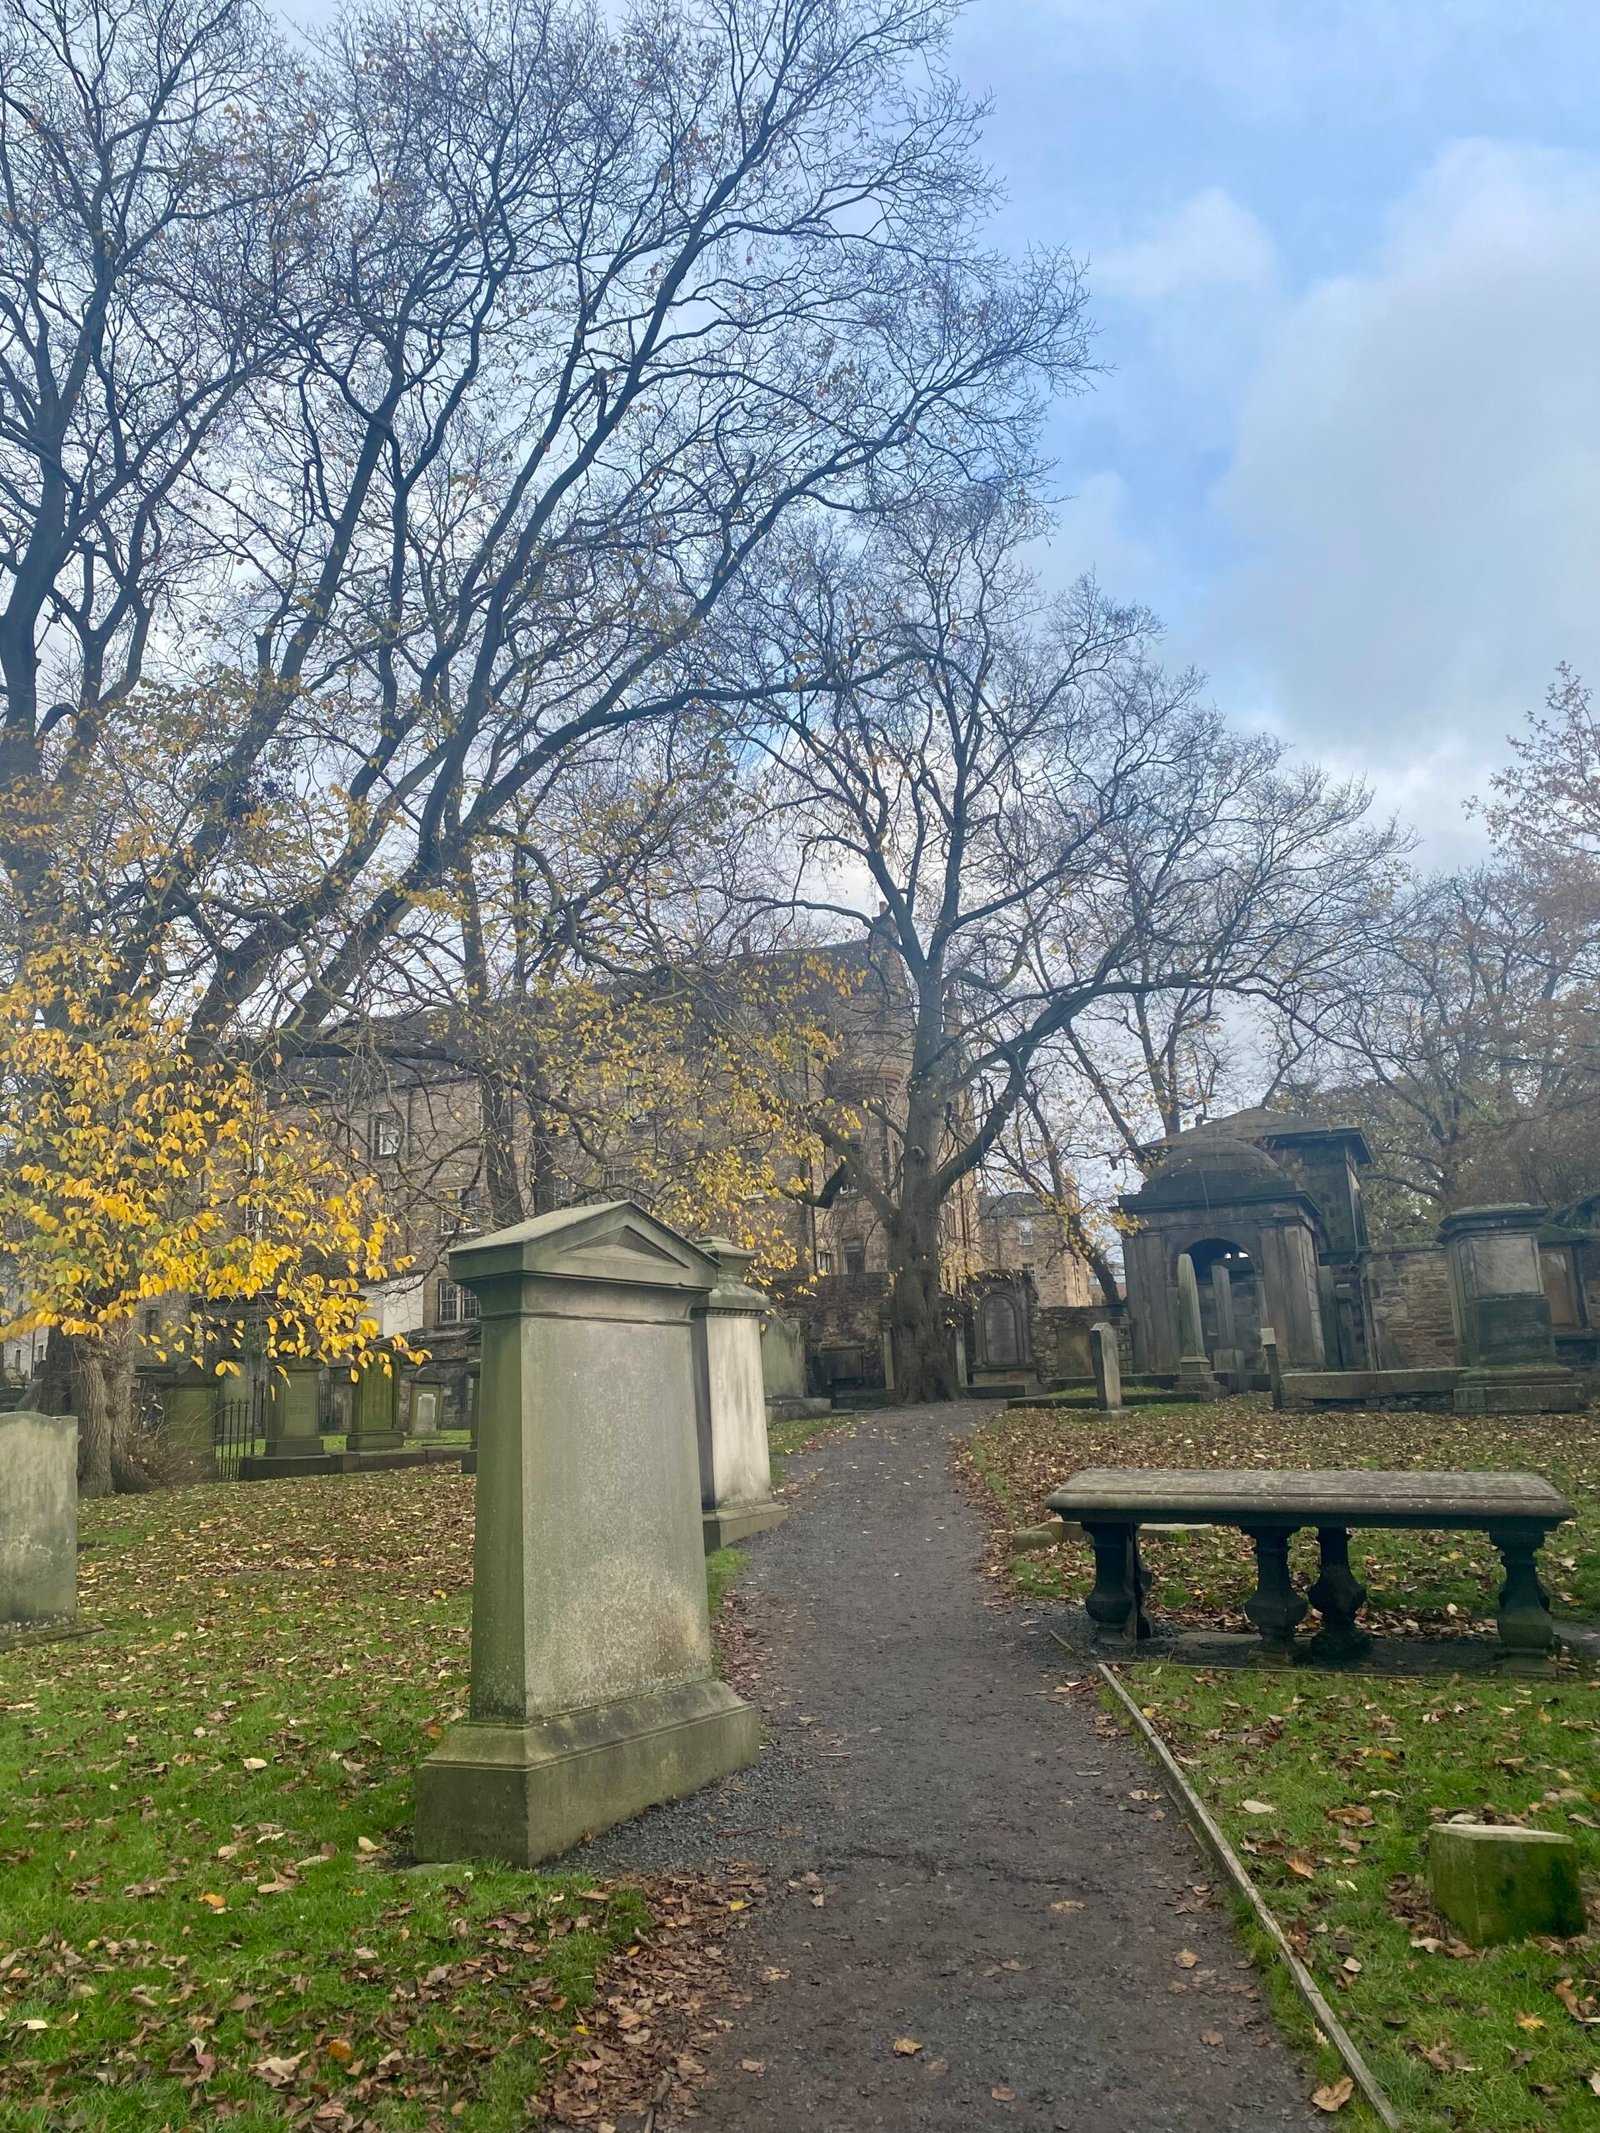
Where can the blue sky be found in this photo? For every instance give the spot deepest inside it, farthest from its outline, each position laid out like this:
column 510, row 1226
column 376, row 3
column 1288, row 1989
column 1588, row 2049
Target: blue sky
column 1344, row 258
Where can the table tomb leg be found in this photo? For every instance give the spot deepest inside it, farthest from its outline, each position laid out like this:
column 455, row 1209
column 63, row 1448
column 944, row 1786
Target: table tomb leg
column 1523, row 1617
column 1338, row 1596
column 1120, row 1581
column 1275, row 1607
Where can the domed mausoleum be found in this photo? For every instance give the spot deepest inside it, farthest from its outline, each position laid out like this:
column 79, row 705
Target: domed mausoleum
column 1268, row 1207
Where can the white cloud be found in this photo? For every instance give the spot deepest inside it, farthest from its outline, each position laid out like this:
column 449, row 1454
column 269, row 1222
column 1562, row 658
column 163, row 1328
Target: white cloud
column 1416, row 476
column 1209, row 243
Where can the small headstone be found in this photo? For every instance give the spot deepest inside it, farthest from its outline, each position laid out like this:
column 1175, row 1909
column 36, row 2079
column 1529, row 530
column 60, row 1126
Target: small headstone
column 1107, row 1367
column 1497, row 1882
column 38, row 1518
column 375, row 1410
column 1269, row 1348
column 593, row 1695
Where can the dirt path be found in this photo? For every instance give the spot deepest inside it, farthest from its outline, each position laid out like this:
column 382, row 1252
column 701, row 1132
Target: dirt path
column 998, row 1882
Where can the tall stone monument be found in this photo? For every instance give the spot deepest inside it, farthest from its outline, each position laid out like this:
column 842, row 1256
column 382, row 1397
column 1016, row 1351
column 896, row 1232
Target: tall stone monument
column 1502, row 1315
column 1194, row 1367
column 38, row 1518
column 1107, row 1367
column 731, row 1406
column 592, row 1690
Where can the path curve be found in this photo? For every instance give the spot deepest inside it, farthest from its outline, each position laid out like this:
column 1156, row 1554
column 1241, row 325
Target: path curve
column 1001, row 1884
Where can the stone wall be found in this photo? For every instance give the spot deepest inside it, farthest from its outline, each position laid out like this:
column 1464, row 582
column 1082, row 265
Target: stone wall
column 1408, row 1307
column 1061, row 1338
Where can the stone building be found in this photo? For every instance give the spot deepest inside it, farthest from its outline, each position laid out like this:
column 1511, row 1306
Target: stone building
column 1268, row 1207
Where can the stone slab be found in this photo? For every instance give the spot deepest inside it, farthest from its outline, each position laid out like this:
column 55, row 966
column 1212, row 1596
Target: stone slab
column 1496, row 1882
column 527, row 1793
column 1284, row 1497
column 1354, row 1388
column 38, row 1517
column 732, row 1524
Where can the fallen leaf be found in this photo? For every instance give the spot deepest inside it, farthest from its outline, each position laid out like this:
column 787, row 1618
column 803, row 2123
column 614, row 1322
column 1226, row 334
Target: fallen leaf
column 35, row 2022
column 1334, row 2095
column 216, row 1902
column 255, row 1762
column 1257, row 1807
column 278, row 2073
column 1302, row 1867
column 365, row 1844
column 1526, row 2021
column 906, row 2047
column 754, row 2066
column 338, row 2048
column 1594, row 2080
column 1186, row 1958
column 1003, row 2095
column 1211, row 2036
column 1067, row 1903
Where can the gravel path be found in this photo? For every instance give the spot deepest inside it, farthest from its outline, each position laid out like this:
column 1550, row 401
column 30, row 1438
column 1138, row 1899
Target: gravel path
column 999, row 1883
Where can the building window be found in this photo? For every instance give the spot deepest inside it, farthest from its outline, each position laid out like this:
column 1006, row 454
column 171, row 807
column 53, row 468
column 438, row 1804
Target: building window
column 824, row 1262
column 855, row 1258
column 458, row 1210
column 456, row 1305
column 1024, row 1232
column 386, row 1135
column 152, row 1320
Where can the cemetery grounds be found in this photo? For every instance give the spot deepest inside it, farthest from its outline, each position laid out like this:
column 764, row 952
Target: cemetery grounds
column 205, row 1812
column 1326, row 1783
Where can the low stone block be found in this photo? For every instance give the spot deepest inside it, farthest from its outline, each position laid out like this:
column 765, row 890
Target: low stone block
column 1496, row 1882
column 731, row 1525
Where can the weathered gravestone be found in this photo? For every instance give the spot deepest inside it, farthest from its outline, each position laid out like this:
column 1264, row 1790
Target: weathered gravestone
column 731, row 1404
column 189, row 1404
column 1194, row 1368
column 592, row 1690
column 1107, row 1367
column 375, row 1409
column 38, row 1518
column 294, row 1424
column 1269, row 1350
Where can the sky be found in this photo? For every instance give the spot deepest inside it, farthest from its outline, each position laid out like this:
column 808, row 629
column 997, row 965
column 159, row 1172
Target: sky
column 1344, row 264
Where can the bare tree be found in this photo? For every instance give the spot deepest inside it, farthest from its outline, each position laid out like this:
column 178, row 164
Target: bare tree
column 1054, row 831
column 590, row 309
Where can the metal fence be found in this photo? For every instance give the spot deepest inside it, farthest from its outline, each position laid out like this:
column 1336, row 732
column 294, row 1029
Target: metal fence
column 240, row 1431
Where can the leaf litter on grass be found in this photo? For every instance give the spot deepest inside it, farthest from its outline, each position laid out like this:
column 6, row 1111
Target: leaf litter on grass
column 204, row 1821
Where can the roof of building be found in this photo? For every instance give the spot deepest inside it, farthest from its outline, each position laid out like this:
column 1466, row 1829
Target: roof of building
column 1263, row 1124
column 1213, row 1169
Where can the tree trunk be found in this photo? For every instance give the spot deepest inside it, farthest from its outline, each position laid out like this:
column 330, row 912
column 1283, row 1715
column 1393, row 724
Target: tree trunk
column 922, row 1357
column 100, row 1381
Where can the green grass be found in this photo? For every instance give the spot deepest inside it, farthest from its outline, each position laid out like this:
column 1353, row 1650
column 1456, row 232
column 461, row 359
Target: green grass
column 204, row 1832
column 1354, row 1771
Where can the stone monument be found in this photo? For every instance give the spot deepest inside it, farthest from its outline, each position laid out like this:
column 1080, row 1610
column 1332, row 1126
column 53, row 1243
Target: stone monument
column 1107, row 1367
column 1502, row 1315
column 1194, row 1368
column 294, row 1423
column 38, row 1518
column 592, row 1689
column 375, row 1409
column 189, row 1403
column 730, row 1403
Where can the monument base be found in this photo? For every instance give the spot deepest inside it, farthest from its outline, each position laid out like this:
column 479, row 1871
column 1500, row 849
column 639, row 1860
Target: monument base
column 374, row 1440
column 736, row 1522
column 1195, row 1379
column 527, row 1793
column 1518, row 1389
column 279, row 1463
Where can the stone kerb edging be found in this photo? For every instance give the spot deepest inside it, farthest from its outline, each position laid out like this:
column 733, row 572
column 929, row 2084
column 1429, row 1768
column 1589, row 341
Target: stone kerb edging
column 1212, row 1840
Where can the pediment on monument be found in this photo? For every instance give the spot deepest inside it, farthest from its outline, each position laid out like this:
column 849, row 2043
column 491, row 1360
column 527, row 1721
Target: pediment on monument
column 615, row 1241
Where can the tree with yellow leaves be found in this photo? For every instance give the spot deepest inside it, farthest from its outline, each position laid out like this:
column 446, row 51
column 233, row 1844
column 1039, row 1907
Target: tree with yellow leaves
column 133, row 1167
